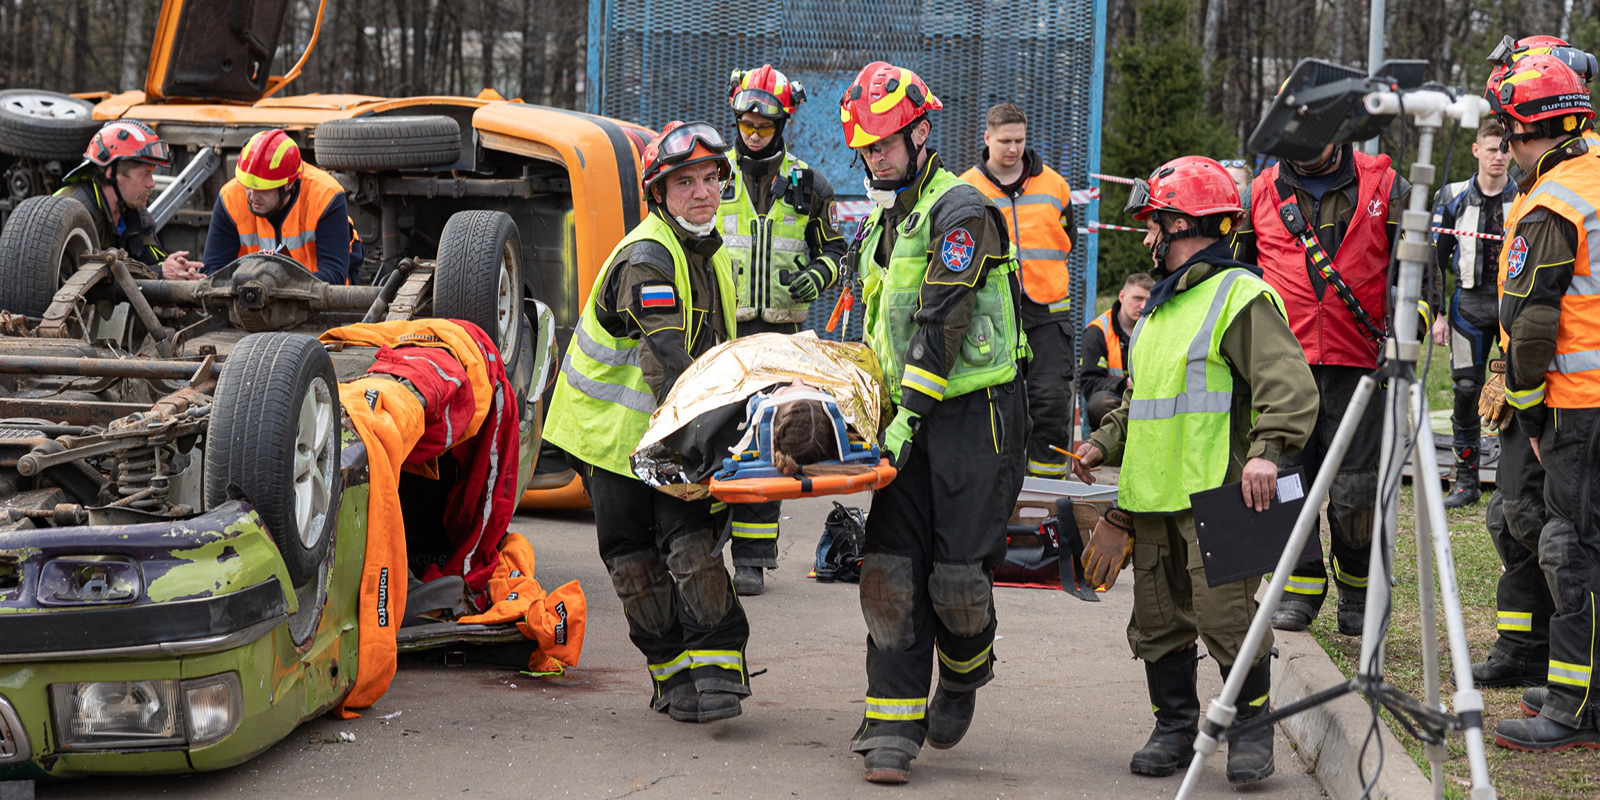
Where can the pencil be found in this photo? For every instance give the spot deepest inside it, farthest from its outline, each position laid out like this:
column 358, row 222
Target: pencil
column 1067, row 453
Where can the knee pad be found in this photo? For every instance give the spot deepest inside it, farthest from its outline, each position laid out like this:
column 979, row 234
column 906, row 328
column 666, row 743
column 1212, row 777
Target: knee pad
column 701, row 577
column 645, row 590
column 1469, row 387
column 1354, row 490
column 961, row 595
column 887, row 595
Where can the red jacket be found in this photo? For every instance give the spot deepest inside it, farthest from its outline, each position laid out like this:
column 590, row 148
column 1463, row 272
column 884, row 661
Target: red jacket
column 1325, row 327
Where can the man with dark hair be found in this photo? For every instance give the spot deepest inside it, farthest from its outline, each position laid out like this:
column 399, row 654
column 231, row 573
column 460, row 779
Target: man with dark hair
column 114, row 182
column 1103, row 372
column 1037, row 204
column 1476, row 205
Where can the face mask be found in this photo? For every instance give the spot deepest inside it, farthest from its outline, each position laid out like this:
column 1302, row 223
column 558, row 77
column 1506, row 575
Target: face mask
column 883, row 197
column 698, row 230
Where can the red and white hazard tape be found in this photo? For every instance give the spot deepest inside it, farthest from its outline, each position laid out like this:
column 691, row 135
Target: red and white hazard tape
column 1096, row 227
column 1113, row 178
column 1473, row 234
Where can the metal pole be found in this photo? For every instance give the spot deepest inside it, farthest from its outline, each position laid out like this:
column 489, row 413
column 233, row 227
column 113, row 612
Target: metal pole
column 1425, row 596
column 1375, row 55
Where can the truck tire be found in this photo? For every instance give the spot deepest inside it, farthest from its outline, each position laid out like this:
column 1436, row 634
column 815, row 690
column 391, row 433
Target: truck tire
column 274, row 441
column 479, row 275
column 43, row 243
column 387, row 143
column 46, row 125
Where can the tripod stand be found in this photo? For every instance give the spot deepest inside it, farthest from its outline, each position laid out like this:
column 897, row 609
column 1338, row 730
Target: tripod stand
column 1405, row 413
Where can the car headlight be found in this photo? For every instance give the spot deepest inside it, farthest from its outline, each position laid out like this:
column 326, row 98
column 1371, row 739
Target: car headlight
column 107, row 715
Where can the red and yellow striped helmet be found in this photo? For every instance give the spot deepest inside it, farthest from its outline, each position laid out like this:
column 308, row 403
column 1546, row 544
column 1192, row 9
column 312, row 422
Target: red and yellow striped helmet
column 765, row 91
column 882, row 101
column 269, row 160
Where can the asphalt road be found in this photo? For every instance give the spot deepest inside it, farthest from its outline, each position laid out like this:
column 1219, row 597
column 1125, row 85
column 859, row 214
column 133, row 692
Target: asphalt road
column 1066, row 711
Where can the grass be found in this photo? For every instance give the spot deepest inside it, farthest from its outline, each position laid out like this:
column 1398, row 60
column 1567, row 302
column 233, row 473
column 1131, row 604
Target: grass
column 1570, row 774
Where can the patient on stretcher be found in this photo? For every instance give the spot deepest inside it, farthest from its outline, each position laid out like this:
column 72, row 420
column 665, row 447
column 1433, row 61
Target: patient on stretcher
column 762, row 407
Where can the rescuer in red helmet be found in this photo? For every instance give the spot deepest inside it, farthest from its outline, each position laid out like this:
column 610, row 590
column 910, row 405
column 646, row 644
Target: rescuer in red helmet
column 115, row 181
column 942, row 315
column 1550, row 315
column 1174, row 434
column 276, row 203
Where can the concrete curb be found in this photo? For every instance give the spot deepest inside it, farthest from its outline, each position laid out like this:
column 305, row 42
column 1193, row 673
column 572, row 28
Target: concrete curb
column 1329, row 737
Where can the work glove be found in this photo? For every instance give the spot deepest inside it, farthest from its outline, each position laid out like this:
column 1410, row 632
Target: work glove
column 807, row 284
column 897, row 438
column 1492, row 405
column 1109, row 548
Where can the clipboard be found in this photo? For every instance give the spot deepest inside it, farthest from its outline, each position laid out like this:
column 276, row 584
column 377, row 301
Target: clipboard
column 1237, row 542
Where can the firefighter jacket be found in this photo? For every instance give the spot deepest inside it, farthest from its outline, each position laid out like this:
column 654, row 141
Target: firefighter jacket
column 133, row 233
column 664, row 298
column 1179, row 430
column 1355, row 222
column 1464, row 206
column 940, row 290
column 312, row 227
column 1105, row 351
column 1038, row 213
column 777, row 217
column 1550, row 303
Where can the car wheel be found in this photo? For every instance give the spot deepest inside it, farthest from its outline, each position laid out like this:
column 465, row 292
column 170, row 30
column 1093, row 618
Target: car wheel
column 386, row 143
column 46, row 125
column 43, row 243
column 274, row 440
column 479, row 275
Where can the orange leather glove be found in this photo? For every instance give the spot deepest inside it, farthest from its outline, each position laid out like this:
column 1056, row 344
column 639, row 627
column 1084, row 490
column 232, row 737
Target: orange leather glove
column 1109, row 548
column 1492, row 405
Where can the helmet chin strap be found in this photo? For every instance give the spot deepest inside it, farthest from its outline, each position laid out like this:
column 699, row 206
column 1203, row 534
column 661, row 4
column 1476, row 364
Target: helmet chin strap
column 894, row 186
column 1164, row 243
column 116, row 188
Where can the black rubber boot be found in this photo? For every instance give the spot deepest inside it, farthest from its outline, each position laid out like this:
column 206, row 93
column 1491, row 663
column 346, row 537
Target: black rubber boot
column 1532, row 699
column 748, row 581
column 718, row 705
column 1250, row 755
column 685, row 708
column 1466, row 490
column 1294, row 614
column 949, row 716
column 1544, row 735
column 1171, row 682
column 1352, row 610
column 887, row 765
column 1494, row 673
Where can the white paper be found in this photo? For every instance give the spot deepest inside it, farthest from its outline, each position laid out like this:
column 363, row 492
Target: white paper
column 1289, row 489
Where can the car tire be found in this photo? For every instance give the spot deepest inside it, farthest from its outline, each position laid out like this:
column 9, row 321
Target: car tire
column 387, row 143
column 274, row 441
column 43, row 244
column 479, row 275
column 46, row 125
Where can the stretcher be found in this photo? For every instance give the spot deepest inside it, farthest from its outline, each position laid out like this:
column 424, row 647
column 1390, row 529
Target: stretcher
column 750, row 476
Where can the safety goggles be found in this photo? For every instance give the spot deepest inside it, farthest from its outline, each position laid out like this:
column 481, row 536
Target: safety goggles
column 1580, row 61
column 680, row 143
column 760, row 101
column 765, row 132
column 1138, row 197
column 156, row 152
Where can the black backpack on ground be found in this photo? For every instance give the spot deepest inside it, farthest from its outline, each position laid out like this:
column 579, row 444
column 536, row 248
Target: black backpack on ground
column 844, row 539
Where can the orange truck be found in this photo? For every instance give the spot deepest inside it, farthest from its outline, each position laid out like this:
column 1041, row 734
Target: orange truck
column 568, row 180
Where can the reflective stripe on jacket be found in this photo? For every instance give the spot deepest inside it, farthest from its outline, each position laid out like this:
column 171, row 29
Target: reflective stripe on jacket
column 296, row 235
column 602, row 403
column 763, row 246
column 1034, row 220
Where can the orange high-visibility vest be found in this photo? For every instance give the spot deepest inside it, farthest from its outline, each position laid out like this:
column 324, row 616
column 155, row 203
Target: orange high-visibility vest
column 1034, row 218
column 297, row 237
column 1113, row 344
column 1570, row 190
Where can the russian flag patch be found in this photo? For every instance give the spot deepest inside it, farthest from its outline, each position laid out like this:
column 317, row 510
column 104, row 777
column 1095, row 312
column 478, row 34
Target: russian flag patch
column 658, row 296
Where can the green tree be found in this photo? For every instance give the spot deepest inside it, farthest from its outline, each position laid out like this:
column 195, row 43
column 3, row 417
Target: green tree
column 1158, row 111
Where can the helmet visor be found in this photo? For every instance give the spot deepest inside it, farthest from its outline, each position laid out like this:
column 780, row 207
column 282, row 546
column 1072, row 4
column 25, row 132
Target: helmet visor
column 760, row 101
column 1138, row 199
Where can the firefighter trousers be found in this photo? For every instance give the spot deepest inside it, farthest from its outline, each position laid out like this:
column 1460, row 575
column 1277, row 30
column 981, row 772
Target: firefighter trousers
column 934, row 538
column 1354, row 491
column 681, row 609
column 1173, row 605
column 1516, row 519
column 1569, row 552
column 1050, row 398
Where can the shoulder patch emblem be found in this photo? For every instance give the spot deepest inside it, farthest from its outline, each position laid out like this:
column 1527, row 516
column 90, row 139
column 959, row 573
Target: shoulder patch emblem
column 955, row 252
column 833, row 215
column 658, row 295
column 1516, row 257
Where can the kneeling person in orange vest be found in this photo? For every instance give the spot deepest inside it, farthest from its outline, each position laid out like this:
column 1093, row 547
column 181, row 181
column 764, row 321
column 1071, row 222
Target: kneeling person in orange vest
column 1220, row 393
column 278, row 204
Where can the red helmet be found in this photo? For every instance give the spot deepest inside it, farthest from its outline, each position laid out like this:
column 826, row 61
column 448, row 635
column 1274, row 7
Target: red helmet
column 123, row 140
column 882, row 101
column 1192, row 185
column 765, row 91
column 269, row 160
column 681, row 144
column 1539, row 87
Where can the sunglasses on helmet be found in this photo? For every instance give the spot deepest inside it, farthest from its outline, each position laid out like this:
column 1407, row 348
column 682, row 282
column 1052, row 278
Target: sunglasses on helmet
column 1234, row 163
column 679, row 144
